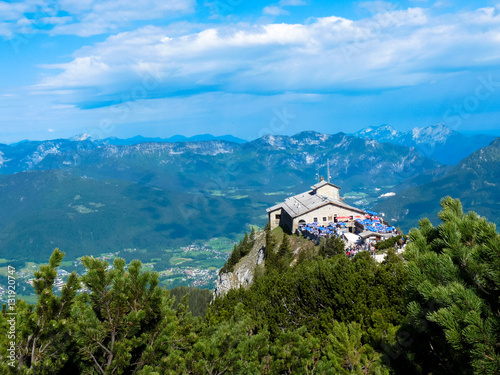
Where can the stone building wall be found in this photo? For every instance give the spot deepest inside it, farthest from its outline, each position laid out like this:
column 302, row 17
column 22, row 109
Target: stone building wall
column 329, row 191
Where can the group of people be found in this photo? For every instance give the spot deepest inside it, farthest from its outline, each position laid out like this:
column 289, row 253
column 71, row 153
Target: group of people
column 332, row 229
column 374, row 224
column 335, row 229
column 351, row 251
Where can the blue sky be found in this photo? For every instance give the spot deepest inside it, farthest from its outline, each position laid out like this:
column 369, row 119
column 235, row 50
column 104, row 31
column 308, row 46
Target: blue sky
column 247, row 68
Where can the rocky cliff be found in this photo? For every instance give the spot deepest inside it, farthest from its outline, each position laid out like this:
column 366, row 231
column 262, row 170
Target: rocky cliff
column 244, row 272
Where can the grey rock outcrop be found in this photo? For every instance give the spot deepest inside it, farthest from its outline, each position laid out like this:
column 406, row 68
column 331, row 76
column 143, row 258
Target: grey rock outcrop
column 244, row 272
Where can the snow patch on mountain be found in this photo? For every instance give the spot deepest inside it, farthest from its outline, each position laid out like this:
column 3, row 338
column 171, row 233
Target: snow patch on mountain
column 432, row 134
column 383, row 132
column 343, row 143
column 42, row 152
column 370, row 142
column 81, row 138
column 2, row 159
column 271, row 140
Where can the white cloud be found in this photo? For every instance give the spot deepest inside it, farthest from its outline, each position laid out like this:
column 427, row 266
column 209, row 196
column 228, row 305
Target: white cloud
column 81, row 72
column 331, row 54
column 5, row 30
column 85, row 17
column 13, row 11
column 483, row 16
column 95, row 17
column 273, row 10
column 277, row 9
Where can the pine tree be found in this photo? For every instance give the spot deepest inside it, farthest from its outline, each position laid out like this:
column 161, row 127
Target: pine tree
column 252, row 234
column 295, row 352
column 269, row 250
column 234, row 258
column 454, row 284
column 240, row 250
column 331, row 246
column 349, row 354
column 43, row 332
column 120, row 316
column 285, row 253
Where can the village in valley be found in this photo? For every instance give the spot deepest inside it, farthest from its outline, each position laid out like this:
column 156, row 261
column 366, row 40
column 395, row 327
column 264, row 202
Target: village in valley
column 195, row 265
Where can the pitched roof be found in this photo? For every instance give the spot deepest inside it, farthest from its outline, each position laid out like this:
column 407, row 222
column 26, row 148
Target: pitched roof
column 301, row 203
column 323, row 183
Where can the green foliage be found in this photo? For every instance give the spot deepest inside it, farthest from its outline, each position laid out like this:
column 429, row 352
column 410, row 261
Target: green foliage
column 390, row 242
column 438, row 313
column 127, row 198
column 198, row 298
column 281, row 260
column 453, row 287
column 331, row 246
column 316, row 292
column 120, row 315
column 242, row 249
column 270, row 243
column 348, row 352
column 43, row 332
column 473, row 181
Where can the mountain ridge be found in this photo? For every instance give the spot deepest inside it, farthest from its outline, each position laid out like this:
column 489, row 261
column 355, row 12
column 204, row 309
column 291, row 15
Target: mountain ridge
column 473, row 180
column 172, row 193
column 436, row 142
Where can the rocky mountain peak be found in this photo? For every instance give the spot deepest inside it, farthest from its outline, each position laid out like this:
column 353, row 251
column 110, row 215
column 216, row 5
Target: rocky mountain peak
column 438, row 133
column 385, row 132
column 81, row 137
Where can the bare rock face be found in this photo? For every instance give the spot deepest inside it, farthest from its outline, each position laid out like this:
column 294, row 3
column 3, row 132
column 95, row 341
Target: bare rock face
column 244, row 272
column 260, row 257
column 245, row 276
column 223, row 284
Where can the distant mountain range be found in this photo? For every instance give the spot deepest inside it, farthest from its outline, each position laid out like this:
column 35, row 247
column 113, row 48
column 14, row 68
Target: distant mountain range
column 87, row 196
column 475, row 181
column 140, row 139
column 174, row 139
column 436, row 142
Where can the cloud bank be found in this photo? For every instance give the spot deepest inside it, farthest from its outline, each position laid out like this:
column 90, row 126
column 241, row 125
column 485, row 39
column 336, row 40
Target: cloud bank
column 394, row 49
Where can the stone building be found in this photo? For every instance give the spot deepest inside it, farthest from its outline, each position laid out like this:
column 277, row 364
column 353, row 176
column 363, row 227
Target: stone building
column 322, row 204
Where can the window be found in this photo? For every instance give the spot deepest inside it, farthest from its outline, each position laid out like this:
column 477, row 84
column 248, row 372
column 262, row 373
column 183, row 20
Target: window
column 315, row 220
column 330, row 218
column 324, row 218
column 278, row 217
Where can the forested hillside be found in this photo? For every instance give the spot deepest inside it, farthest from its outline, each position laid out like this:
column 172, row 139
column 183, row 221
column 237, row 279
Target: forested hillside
column 316, row 312
column 87, row 197
column 474, row 181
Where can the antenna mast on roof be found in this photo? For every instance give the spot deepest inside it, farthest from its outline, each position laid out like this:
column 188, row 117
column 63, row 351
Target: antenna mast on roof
column 328, row 165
